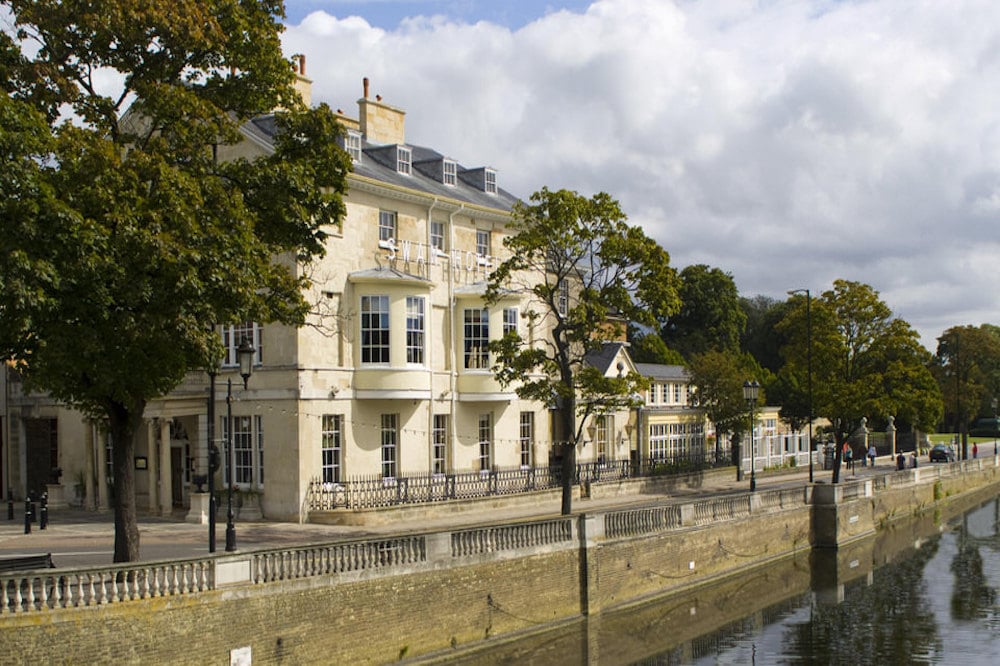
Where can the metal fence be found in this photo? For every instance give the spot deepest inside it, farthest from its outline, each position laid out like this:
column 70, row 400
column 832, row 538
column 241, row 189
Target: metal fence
column 370, row 492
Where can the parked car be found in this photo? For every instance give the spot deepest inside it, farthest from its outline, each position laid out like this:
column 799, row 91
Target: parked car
column 941, row 453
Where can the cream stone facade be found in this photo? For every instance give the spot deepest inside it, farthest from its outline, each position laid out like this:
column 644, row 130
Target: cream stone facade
column 390, row 377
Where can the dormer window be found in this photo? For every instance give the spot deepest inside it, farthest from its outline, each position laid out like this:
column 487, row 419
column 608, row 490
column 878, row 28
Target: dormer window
column 403, row 160
column 449, row 174
column 352, row 144
column 490, row 182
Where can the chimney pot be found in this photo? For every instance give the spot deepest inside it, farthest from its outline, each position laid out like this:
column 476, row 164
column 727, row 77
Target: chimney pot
column 364, row 84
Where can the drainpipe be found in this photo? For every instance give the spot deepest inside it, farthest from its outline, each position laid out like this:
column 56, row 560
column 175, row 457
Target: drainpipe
column 455, row 356
column 430, row 347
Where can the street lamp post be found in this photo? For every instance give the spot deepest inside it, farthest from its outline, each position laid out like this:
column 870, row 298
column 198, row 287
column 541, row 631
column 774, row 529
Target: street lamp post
column 809, row 372
column 213, row 460
column 750, row 393
column 244, row 354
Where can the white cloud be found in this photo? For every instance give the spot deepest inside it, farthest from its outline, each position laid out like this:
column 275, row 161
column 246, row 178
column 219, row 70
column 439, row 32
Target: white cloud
column 789, row 143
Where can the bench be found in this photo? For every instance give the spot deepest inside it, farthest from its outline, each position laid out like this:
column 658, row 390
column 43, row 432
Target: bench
column 26, row 562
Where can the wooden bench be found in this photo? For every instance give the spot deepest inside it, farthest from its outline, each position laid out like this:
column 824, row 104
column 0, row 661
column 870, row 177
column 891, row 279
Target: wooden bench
column 26, row 562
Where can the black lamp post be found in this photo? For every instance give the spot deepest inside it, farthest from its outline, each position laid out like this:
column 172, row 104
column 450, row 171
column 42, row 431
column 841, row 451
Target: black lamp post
column 213, row 459
column 809, row 372
column 750, row 392
column 244, row 354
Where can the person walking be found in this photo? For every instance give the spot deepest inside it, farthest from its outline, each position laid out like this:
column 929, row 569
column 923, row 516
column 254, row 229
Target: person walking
column 871, row 454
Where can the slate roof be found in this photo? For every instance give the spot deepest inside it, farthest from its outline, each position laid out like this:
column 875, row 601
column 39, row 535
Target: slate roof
column 603, row 357
column 660, row 371
column 376, row 165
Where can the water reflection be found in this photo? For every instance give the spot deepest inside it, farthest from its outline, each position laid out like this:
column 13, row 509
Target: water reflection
column 924, row 592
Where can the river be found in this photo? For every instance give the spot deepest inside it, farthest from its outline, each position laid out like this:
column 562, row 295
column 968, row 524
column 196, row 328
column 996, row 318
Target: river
column 924, row 592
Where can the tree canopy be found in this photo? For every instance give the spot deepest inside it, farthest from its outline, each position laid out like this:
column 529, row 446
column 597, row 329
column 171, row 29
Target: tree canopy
column 710, row 316
column 125, row 238
column 865, row 362
column 586, row 273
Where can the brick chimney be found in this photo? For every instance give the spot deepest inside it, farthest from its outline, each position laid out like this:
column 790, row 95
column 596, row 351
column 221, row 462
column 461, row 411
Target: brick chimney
column 303, row 86
column 380, row 123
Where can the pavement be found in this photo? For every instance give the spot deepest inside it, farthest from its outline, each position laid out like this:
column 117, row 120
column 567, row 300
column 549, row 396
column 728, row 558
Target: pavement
column 77, row 537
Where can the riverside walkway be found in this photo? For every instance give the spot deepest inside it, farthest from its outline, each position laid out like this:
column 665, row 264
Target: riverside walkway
column 78, row 538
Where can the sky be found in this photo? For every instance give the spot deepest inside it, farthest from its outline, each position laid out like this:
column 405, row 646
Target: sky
column 789, row 143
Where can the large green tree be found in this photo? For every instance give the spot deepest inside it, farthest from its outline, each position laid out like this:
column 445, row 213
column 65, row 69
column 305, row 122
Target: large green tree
column 585, row 272
column 718, row 378
column 710, row 316
column 967, row 368
column 865, row 362
column 124, row 238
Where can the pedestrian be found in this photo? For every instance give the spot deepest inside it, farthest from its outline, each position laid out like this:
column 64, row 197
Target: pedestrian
column 975, row 450
column 871, row 454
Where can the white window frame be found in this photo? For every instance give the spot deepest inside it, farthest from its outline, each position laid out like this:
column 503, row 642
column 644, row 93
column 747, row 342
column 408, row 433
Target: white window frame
column 332, row 448
column 416, row 329
column 247, row 454
column 476, row 338
column 485, row 431
column 232, row 336
column 439, row 444
column 390, row 445
column 404, row 159
column 484, row 242
column 510, row 321
column 527, row 439
column 388, row 225
column 375, row 323
column 449, row 172
column 437, row 235
column 352, row 144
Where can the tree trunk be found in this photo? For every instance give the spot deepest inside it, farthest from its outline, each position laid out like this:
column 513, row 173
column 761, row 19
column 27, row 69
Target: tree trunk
column 122, row 427
column 568, row 415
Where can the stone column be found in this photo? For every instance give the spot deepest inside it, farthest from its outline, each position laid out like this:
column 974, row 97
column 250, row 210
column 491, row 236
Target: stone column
column 152, row 467
column 90, row 498
column 101, row 494
column 166, row 485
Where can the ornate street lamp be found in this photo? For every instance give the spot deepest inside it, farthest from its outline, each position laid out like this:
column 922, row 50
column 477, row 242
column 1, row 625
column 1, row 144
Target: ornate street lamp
column 809, row 371
column 750, row 392
column 244, row 354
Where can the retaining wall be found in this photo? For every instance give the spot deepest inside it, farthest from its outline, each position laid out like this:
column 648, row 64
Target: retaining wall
column 380, row 600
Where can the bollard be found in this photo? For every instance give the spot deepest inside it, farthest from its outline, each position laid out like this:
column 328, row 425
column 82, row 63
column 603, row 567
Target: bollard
column 27, row 514
column 43, row 515
column 10, row 505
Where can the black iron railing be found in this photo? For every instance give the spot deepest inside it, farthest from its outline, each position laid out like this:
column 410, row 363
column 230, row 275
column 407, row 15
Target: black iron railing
column 374, row 491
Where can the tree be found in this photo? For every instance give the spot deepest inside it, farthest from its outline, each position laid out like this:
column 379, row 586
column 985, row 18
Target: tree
column 759, row 337
column 130, row 239
column 967, row 368
column 585, row 272
column 650, row 348
column 865, row 362
column 718, row 378
column 710, row 316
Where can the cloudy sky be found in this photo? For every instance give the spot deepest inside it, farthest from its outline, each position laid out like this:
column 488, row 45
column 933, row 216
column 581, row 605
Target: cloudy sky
column 787, row 142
